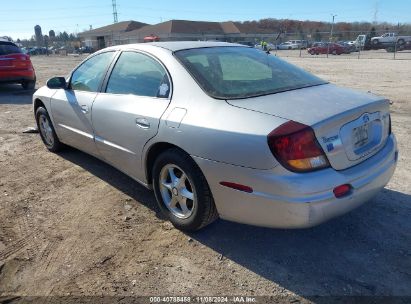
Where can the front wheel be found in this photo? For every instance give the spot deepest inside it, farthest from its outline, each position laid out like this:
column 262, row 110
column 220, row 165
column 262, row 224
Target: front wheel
column 46, row 130
column 182, row 192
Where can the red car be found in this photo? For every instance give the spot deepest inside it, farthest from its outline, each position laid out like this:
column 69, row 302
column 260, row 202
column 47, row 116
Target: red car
column 16, row 67
column 322, row 48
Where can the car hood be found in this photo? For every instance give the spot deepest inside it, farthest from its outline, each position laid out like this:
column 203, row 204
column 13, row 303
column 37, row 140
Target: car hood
column 308, row 105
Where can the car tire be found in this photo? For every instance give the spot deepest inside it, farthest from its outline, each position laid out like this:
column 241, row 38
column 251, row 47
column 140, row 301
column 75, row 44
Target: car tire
column 375, row 42
column 401, row 42
column 28, row 84
column 47, row 133
column 187, row 204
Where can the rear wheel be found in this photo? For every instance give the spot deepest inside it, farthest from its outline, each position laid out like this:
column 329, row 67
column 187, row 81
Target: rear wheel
column 401, row 41
column 182, row 192
column 28, row 84
column 46, row 130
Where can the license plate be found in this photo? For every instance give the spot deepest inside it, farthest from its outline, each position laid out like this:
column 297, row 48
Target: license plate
column 360, row 136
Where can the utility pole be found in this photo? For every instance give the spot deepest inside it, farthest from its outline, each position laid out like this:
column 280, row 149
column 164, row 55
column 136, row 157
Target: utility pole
column 114, row 10
column 375, row 12
column 331, row 34
column 332, row 27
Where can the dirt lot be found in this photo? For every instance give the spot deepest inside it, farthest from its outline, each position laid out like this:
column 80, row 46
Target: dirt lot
column 72, row 225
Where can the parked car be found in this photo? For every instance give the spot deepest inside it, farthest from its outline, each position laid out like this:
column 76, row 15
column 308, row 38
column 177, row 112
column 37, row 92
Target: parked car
column 288, row 46
column 302, row 44
column 324, row 48
column 398, row 48
column 388, row 39
column 348, row 48
column 353, row 45
column 16, row 66
column 269, row 144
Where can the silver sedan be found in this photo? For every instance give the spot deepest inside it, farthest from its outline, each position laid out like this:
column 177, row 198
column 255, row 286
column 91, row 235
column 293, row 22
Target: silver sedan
column 223, row 130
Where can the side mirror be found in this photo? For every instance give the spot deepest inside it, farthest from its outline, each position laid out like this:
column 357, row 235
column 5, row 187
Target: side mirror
column 57, row 83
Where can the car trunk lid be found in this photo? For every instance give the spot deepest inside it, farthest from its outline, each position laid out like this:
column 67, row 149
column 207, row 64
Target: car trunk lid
column 15, row 62
column 350, row 126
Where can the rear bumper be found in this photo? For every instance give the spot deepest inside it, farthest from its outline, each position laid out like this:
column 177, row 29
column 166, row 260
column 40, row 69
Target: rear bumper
column 17, row 76
column 284, row 199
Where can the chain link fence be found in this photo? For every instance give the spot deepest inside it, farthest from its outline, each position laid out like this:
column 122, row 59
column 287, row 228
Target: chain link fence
column 361, row 46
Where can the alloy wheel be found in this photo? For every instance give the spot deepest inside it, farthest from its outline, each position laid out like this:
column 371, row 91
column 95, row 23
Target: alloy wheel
column 177, row 191
column 46, row 130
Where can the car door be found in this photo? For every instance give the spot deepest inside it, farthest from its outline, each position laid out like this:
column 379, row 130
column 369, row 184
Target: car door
column 128, row 113
column 71, row 108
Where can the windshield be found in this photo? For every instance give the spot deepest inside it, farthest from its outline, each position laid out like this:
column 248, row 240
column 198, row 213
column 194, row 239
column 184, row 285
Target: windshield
column 240, row 72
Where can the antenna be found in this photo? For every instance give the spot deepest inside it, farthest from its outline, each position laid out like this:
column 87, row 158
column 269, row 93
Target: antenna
column 114, row 11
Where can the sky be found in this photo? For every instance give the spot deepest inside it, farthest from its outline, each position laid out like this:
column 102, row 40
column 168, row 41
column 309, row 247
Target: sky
column 18, row 18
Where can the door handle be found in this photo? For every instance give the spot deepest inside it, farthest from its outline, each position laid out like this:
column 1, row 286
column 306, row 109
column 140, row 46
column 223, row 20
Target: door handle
column 84, row 109
column 142, row 123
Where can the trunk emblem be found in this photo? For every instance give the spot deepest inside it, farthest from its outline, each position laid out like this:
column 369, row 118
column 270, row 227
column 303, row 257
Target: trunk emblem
column 365, row 118
column 332, row 142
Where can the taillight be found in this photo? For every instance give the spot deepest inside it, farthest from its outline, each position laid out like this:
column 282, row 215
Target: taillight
column 296, row 147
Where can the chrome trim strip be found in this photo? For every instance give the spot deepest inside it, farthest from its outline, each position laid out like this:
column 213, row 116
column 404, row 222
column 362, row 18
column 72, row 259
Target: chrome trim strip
column 77, row 131
column 108, row 143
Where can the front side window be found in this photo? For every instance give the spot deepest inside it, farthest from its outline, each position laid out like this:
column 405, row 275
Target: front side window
column 240, row 72
column 138, row 74
column 90, row 74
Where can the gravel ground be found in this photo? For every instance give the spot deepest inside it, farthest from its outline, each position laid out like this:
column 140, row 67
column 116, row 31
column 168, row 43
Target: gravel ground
column 71, row 225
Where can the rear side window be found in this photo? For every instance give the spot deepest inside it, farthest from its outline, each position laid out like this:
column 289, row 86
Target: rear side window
column 90, row 74
column 138, row 74
column 9, row 48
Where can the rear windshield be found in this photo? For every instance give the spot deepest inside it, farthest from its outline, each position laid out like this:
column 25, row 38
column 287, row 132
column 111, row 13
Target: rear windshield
column 7, row 48
column 240, row 72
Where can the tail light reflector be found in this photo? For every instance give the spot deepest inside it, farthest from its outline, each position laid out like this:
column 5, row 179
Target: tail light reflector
column 235, row 186
column 295, row 146
column 342, row 190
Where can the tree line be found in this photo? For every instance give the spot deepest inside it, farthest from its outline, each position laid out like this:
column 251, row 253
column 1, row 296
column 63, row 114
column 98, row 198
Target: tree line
column 318, row 30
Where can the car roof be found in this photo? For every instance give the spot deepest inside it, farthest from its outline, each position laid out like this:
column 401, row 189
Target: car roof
column 5, row 42
column 174, row 46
